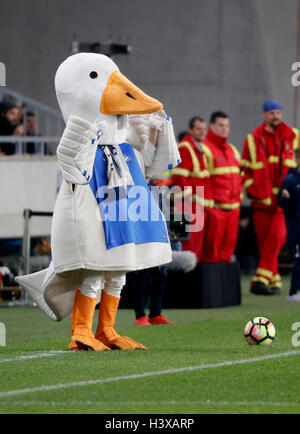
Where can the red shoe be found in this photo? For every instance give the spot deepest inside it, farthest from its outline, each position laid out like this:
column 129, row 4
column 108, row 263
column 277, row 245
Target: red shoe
column 160, row 319
column 142, row 321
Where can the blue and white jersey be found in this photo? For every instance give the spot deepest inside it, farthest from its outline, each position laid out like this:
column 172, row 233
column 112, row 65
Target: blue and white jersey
column 129, row 214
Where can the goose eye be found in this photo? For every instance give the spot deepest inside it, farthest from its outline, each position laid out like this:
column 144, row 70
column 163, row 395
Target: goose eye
column 93, row 74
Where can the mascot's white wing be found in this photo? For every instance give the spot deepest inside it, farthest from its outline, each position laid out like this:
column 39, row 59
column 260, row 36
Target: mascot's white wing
column 77, row 149
column 162, row 156
column 167, row 154
column 54, row 293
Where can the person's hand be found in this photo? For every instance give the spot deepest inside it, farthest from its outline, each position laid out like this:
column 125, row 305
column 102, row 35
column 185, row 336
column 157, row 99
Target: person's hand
column 244, row 222
column 19, row 130
column 285, row 194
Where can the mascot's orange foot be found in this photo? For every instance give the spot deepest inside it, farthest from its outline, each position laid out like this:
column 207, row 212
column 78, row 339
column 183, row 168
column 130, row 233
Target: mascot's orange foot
column 77, row 346
column 105, row 330
column 82, row 343
column 114, row 341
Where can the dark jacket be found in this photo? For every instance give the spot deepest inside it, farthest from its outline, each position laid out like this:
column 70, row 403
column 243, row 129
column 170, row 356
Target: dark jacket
column 291, row 206
column 6, row 129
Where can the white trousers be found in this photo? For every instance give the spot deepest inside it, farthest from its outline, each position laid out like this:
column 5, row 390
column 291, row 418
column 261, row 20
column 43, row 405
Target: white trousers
column 94, row 282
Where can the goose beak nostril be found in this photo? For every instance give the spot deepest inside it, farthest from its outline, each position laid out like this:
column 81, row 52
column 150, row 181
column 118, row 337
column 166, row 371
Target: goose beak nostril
column 129, row 95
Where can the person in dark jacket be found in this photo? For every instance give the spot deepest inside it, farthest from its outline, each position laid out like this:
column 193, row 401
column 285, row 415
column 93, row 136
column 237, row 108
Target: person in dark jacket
column 289, row 200
column 9, row 124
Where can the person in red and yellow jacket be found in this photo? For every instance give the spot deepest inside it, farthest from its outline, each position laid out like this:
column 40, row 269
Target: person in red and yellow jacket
column 190, row 174
column 224, row 164
column 268, row 154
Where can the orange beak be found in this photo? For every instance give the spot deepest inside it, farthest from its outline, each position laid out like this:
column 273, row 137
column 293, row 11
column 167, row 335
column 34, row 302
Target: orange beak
column 122, row 97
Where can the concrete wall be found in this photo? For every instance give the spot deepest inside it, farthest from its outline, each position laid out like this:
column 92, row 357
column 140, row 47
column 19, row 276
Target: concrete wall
column 24, row 191
column 196, row 56
column 278, row 29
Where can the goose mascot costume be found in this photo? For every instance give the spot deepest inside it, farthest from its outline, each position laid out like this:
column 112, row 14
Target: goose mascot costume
column 115, row 135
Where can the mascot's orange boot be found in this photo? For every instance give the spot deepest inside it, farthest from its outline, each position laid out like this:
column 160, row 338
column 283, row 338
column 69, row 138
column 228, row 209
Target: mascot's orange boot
column 105, row 331
column 82, row 320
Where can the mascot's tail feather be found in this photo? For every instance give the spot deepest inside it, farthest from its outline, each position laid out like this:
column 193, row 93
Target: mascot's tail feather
column 33, row 285
column 182, row 261
column 53, row 293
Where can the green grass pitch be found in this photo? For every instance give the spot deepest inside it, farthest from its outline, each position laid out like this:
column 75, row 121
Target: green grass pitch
column 200, row 337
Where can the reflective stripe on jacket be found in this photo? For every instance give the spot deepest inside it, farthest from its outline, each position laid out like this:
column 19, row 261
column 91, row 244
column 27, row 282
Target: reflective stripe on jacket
column 266, row 161
column 224, row 164
column 193, row 172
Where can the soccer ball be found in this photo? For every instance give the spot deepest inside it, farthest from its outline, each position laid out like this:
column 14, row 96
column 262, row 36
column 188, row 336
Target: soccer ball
column 259, row 330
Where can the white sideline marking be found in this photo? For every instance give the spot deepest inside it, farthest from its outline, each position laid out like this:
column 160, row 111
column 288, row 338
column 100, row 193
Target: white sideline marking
column 145, row 374
column 34, row 356
column 135, row 403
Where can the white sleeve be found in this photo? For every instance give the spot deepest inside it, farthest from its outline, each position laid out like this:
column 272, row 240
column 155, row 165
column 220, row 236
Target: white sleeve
column 77, row 149
column 148, row 153
column 138, row 130
column 166, row 155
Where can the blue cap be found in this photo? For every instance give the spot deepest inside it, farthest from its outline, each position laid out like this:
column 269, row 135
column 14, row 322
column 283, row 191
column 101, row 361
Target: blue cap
column 271, row 105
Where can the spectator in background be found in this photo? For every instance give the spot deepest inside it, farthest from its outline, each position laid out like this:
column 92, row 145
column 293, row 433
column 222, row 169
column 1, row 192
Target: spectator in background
column 268, row 154
column 34, row 147
column 30, row 124
column 9, row 124
column 289, row 200
column 30, row 131
column 190, row 174
column 197, row 129
column 224, row 164
column 12, row 101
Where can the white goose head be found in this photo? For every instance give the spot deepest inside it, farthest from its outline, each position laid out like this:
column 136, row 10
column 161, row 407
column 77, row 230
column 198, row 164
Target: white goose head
column 90, row 86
